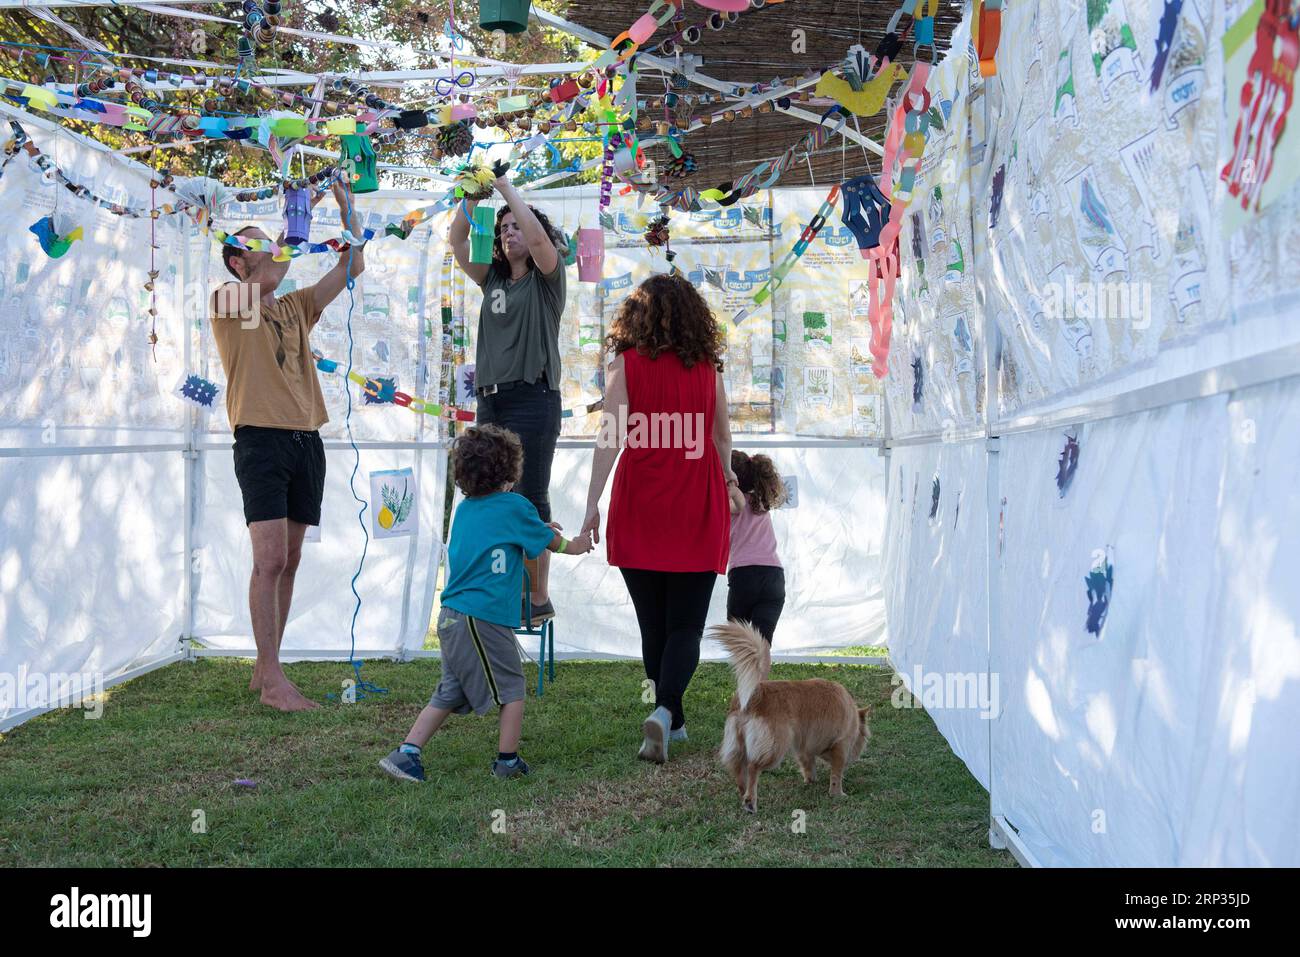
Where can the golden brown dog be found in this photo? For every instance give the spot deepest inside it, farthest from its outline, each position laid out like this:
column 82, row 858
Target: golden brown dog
column 814, row 718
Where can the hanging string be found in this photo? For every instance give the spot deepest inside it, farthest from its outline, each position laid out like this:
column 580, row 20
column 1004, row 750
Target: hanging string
column 362, row 688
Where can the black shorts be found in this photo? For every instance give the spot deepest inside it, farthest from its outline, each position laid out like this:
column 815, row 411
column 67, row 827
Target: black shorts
column 532, row 412
column 281, row 474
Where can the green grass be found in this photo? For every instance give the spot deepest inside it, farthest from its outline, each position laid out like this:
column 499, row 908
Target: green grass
column 121, row 790
column 857, row 651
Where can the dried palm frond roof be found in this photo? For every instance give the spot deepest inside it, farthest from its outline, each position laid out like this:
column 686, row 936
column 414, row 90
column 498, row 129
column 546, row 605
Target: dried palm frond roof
column 757, row 48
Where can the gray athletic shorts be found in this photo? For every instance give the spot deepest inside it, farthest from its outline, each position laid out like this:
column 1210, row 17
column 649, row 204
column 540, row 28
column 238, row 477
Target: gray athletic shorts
column 480, row 665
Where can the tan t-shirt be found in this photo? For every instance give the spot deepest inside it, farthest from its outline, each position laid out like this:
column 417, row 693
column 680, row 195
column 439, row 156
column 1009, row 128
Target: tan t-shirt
column 270, row 375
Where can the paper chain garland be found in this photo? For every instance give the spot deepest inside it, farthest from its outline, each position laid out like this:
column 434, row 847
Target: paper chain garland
column 21, row 141
column 283, row 253
column 791, row 259
column 382, row 390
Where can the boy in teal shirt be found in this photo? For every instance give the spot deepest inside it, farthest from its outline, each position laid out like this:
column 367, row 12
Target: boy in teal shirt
column 491, row 532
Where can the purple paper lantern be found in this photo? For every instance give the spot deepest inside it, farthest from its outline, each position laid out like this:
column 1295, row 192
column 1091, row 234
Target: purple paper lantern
column 297, row 215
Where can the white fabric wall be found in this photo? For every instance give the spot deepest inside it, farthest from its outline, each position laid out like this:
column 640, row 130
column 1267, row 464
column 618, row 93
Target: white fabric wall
column 934, row 579
column 1168, row 738
column 92, row 553
column 830, row 543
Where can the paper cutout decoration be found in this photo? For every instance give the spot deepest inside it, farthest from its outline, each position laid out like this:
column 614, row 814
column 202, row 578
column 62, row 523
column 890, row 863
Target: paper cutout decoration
column 392, row 499
column 53, row 244
column 1067, row 464
column 357, row 157
column 482, row 234
column 867, row 101
column 725, row 6
column 1261, row 106
column 198, row 390
column 1100, row 581
column 591, row 254
column 297, row 215
column 791, row 483
column 465, row 395
column 383, row 395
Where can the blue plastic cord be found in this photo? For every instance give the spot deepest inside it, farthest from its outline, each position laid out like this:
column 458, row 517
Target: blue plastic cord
column 362, row 687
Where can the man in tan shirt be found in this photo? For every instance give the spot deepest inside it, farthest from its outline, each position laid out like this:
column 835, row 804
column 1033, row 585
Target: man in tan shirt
column 276, row 408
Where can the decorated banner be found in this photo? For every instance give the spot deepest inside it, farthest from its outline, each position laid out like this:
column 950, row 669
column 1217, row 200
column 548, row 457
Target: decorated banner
column 393, row 502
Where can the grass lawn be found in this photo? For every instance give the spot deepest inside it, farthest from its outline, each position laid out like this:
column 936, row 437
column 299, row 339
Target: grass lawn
column 122, row 790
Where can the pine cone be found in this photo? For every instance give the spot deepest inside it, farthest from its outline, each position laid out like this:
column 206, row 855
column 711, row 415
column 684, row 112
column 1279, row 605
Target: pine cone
column 456, row 139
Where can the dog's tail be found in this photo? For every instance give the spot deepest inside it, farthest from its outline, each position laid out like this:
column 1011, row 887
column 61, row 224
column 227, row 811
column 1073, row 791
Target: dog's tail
column 751, row 657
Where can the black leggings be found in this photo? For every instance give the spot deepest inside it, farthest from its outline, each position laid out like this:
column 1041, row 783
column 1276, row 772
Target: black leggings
column 756, row 594
column 532, row 412
column 670, row 608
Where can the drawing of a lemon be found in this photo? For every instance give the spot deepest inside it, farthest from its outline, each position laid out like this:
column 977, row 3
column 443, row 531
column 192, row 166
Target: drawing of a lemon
column 385, row 517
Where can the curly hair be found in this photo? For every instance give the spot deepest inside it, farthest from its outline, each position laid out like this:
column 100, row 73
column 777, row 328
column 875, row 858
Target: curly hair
column 666, row 313
column 759, row 481
column 484, row 458
column 500, row 265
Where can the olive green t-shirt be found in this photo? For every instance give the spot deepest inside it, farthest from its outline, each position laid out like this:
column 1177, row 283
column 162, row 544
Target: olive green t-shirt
column 520, row 340
column 270, row 375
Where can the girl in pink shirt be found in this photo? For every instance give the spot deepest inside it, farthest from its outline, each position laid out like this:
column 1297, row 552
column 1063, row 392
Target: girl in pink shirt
column 755, row 578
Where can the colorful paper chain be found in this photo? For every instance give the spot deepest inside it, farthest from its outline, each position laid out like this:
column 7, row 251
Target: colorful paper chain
column 788, row 262
column 21, row 141
column 286, row 252
column 385, row 392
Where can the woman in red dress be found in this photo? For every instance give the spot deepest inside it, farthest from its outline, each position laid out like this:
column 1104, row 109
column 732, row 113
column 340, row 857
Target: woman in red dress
column 669, row 516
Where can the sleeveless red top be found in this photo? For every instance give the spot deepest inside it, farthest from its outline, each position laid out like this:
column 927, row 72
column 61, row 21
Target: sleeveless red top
column 668, row 509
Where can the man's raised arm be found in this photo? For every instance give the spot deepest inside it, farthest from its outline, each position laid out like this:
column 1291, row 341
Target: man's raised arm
column 336, row 280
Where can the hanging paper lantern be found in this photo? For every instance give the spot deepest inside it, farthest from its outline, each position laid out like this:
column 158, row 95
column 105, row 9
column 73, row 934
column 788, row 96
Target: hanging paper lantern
column 510, row 16
column 297, row 215
column 456, row 139
column 359, row 157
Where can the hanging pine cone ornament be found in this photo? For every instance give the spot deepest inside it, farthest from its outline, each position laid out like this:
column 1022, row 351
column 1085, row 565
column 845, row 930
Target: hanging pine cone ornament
column 456, row 139
column 476, row 180
column 657, row 234
column 679, row 166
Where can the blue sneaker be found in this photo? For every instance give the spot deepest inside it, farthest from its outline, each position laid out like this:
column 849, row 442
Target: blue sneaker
column 655, row 746
column 403, row 766
column 677, row 735
column 504, row 769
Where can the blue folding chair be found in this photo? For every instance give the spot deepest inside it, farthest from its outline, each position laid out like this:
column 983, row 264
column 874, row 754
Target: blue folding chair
column 545, row 634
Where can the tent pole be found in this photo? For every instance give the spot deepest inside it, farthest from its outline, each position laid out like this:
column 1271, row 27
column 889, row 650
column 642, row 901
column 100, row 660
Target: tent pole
column 190, row 453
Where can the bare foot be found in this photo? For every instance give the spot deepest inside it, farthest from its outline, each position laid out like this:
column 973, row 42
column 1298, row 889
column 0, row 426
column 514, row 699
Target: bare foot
column 257, row 682
column 285, row 697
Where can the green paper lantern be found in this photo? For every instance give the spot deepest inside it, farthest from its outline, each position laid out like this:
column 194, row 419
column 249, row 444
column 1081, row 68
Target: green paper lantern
column 358, row 158
column 482, row 234
column 508, row 15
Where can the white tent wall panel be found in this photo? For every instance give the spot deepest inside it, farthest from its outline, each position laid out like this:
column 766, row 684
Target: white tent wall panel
column 1129, row 748
column 831, row 544
column 396, row 583
column 935, row 588
column 92, row 565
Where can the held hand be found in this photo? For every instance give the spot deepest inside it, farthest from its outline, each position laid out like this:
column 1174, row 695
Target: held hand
column 737, row 498
column 580, row 545
column 591, row 524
